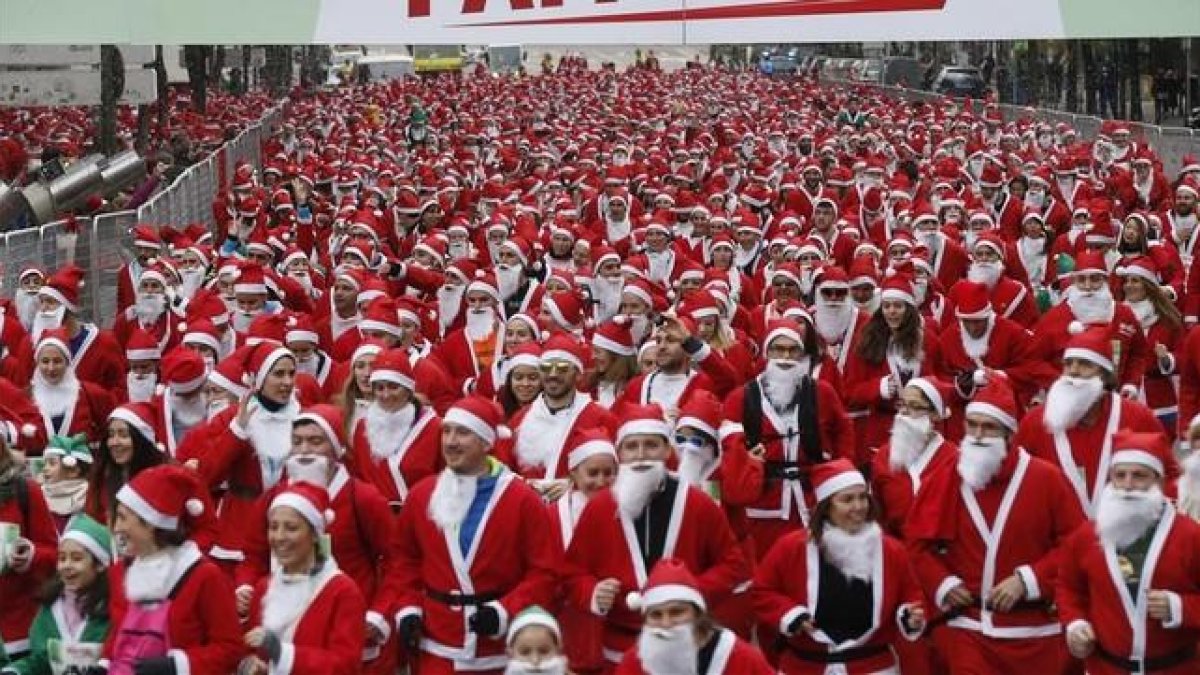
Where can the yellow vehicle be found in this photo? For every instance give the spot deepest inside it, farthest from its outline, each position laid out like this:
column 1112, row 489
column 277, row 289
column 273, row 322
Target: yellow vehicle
column 438, row 58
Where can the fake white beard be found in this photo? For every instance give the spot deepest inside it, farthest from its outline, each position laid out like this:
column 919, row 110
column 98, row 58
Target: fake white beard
column 921, row 291
column 508, row 280
column 660, row 265
column 554, row 665
column 853, row 553
column 241, row 320
column 270, row 435
column 54, row 399
column 215, row 407
column 1123, row 516
column 832, row 319
column 639, row 327
column 305, row 279
column 1189, row 485
column 1068, row 401
column 309, row 365
column 781, row 378
column 1035, row 199
column 540, row 433
column 192, row 280
column 1144, row 310
column 617, row 229
column 287, row 596
column 987, row 274
column 979, row 460
column 457, row 250
column 607, row 294
column 149, row 577
column 480, row 322
column 311, row 469
column 742, row 257
column 977, row 348
column 910, row 436
column 451, row 499
column 190, row 410
column 140, row 387
column 449, row 303
column 695, row 466
column 149, row 307
column 27, row 307
column 385, row 430
column 636, row 483
column 43, row 321
column 669, row 650
column 1091, row 306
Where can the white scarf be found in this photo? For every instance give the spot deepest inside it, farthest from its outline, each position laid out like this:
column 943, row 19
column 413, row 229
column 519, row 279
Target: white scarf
column 854, row 554
column 270, row 434
column 386, row 431
column 288, row 596
column 152, row 577
column 977, row 348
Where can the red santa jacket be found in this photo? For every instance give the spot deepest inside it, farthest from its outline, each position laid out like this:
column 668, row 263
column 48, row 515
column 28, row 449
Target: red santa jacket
column 731, row 655
column 950, row 262
column 87, row 415
column 418, row 456
column 788, row 584
column 327, row 636
column 1088, row 590
column 1134, row 355
column 202, row 621
column 100, row 360
column 530, row 429
column 714, row 374
column 864, row 391
column 163, row 330
column 1087, row 448
column 1189, row 378
column 511, row 563
column 1158, row 387
column 19, row 589
column 895, row 490
column 1015, row 525
column 582, row 630
column 606, row 546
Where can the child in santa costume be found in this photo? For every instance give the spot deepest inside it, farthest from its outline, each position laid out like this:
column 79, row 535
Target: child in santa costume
column 840, row 592
column 679, row 636
column 65, row 466
column 68, row 404
column 307, row 615
column 72, row 624
column 27, row 558
column 535, row 645
column 129, row 447
column 172, row 609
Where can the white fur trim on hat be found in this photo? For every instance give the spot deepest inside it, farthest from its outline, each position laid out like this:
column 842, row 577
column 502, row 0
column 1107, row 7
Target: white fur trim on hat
column 561, row 355
column 1133, row 456
column 135, row 502
column 516, row 362
column 1090, row 356
column 588, row 450
column 994, row 412
column 305, row 508
column 330, row 432
column 469, row 420
column 143, row 354
column 365, row 349
column 188, row 386
column 62, row 299
column 260, row 378
column 846, row 479
column 643, row 426
column 658, row 595
column 533, row 617
column 302, row 336
column 613, row 346
column 639, row 293
column 782, row 332
column 893, row 294
column 931, row 392
column 98, row 551
column 143, row 427
column 697, row 424
column 384, row 375
column 249, row 289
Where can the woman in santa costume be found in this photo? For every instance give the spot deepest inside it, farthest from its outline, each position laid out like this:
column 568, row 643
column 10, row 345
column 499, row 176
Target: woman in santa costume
column 896, row 346
column 520, row 381
column 679, row 635
column 253, row 441
column 355, row 396
column 519, row 330
column 68, row 405
column 129, row 447
column 841, row 592
column 1143, row 292
column 172, row 609
column 395, row 445
column 307, row 615
column 614, row 360
column 1129, row 589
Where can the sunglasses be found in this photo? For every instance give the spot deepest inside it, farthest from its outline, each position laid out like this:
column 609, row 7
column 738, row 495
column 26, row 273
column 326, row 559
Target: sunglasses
column 682, row 441
column 555, row 367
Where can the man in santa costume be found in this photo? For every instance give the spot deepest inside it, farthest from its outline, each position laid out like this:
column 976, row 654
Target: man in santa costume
column 1073, row 430
column 983, row 344
column 471, row 349
column 473, row 548
column 1089, row 302
column 1129, row 588
column 647, row 515
column 360, row 533
column 541, row 430
column 836, row 318
column 404, row 325
column 181, row 405
column 96, row 355
column 679, row 636
column 777, row 427
column 338, row 315
column 519, row 292
column 683, row 363
column 147, row 245
column 304, row 339
column 1010, row 299
column 152, row 309
column 986, row 536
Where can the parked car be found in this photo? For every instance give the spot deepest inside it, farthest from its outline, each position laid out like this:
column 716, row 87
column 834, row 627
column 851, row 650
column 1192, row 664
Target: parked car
column 960, row 81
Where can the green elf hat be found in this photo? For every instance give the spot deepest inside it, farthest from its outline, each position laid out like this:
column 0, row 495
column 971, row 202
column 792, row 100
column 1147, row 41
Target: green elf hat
column 533, row 616
column 72, row 449
column 91, row 535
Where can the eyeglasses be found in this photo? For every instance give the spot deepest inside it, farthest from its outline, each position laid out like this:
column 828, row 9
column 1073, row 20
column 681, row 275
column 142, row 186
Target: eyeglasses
column 556, row 367
column 905, row 406
column 834, row 294
column 696, row 442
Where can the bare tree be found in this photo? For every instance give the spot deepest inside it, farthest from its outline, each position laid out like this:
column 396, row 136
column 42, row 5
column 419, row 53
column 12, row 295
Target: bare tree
column 196, row 57
column 112, row 84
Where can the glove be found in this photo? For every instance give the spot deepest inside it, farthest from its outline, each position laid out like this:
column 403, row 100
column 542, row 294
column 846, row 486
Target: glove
column 966, row 383
column 271, row 647
column 159, row 665
column 95, row 670
column 410, row 632
column 795, row 626
column 486, row 621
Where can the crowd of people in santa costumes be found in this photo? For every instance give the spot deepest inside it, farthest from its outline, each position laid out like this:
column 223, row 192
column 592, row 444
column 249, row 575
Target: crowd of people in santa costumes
column 638, row 372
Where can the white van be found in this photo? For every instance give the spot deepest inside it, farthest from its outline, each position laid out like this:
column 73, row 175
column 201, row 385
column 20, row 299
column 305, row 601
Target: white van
column 385, row 67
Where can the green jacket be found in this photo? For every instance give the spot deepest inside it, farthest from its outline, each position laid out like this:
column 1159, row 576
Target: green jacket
column 46, row 642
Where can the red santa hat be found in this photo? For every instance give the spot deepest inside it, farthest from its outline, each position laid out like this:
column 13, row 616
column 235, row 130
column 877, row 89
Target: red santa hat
column 164, row 496
column 563, row 347
column 834, row 476
column 832, row 277
column 310, row 501
column 10, row 424
column 1090, row 262
column 519, row 247
column 972, row 300
column 701, row 412
column 368, row 347
column 642, row 419
column 584, row 444
column 485, row 282
column 251, row 280
column 64, row 287
column 898, row 287
column 142, row 346
column 566, row 308
column 329, row 419
column 669, row 581
column 1142, row 267
column 939, row 392
column 783, row 328
column 57, row 338
column 382, row 315
column 262, row 359
column 1093, row 345
column 996, row 400
column 527, row 355
column 481, row 416
column 230, row 373
column 140, row 416
column 1151, row 449
column 184, row 371
column 146, row 236
column 393, row 366
column 992, row 241
column 268, row 328
column 301, row 328
column 616, row 336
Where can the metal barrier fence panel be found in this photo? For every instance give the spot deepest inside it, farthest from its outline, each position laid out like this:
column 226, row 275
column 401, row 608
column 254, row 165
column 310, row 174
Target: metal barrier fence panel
column 110, row 249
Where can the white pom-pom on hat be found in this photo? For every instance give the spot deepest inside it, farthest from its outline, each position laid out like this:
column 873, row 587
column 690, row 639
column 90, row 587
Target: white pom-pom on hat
column 329, row 516
column 1076, row 327
column 980, row 377
column 503, row 432
column 194, row 507
column 28, row 430
column 633, row 600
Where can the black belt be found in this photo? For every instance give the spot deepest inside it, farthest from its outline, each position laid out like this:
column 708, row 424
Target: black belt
column 244, row 492
column 1020, row 605
column 777, row 470
column 844, row 656
column 1175, row 658
column 457, row 599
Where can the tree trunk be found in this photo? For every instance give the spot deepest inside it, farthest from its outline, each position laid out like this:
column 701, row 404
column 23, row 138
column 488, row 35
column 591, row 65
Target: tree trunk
column 196, row 58
column 1135, row 81
column 160, row 74
column 112, row 84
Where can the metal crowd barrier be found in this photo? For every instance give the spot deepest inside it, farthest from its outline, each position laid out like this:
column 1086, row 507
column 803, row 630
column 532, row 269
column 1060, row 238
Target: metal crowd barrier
column 102, row 244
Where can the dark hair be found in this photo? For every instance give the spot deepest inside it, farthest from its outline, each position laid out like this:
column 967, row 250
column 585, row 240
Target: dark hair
column 170, row 538
column 820, row 515
column 93, row 601
column 107, row 477
column 877, row 336
column 508, row 400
